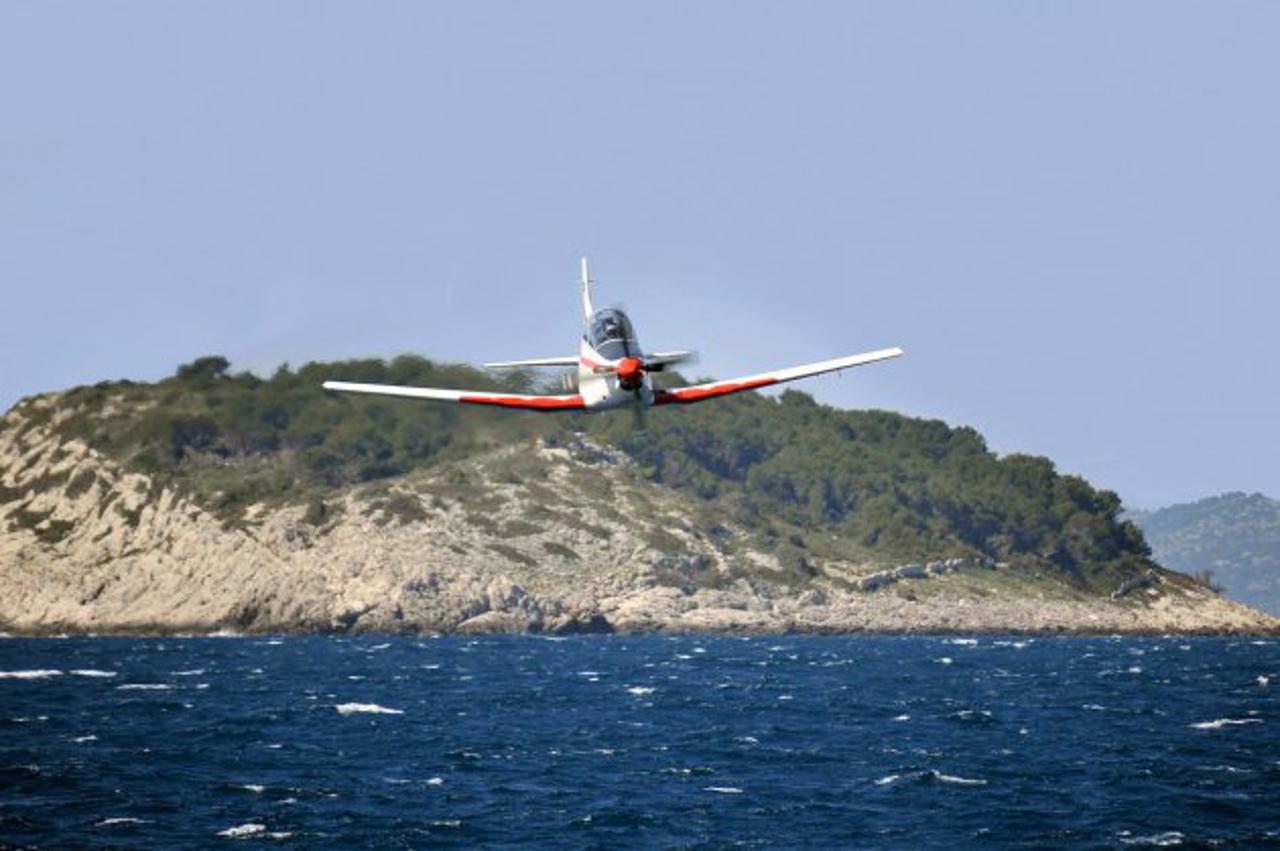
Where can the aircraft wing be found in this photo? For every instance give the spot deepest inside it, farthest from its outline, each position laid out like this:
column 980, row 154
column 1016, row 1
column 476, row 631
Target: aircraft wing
column 472, row 397
column 698, row 392
column 515, row 364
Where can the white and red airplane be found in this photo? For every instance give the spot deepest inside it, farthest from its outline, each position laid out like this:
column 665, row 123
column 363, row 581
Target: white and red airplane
column 613, row 372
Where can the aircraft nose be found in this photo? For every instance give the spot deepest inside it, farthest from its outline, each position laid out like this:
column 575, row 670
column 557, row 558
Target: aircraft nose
column 629, row 372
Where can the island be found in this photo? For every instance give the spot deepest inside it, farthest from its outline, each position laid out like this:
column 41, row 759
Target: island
column 217, row 502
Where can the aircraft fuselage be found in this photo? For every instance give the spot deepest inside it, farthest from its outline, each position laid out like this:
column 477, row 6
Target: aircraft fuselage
column 610, row 363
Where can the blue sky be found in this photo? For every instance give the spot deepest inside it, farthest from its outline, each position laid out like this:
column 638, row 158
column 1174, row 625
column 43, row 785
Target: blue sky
column 1068, row 213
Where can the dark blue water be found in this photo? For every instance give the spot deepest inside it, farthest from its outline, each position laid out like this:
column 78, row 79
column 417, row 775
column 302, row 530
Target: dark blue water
column 642, row 742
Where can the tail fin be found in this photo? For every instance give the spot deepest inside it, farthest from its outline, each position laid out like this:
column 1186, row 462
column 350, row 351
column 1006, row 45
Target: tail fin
column 587, row 310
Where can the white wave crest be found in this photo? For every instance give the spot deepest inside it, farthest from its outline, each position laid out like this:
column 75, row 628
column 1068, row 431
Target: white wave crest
column 91, row 672
column 144, row 687
column 108, row 822
column 37, row 674
column 1219, row 723
column 1159, row 840
column 639, row 691
column 888, row 779
column 372, row 708
column 723, row 790
column 958, row 781
column 241, row 830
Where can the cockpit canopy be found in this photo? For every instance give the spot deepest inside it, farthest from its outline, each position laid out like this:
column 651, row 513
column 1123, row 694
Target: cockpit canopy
column 611, row 334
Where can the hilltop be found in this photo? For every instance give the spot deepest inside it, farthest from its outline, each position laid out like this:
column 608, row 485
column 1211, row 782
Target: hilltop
column 210, row 500
column 1232, row 540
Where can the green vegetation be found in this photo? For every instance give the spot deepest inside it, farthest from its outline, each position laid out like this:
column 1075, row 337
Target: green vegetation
column 233, row 440
column 898, row 487
column 797, row 475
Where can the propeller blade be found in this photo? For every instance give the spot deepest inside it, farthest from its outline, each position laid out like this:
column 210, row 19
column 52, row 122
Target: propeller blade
column 637, row 411
column 658, row 363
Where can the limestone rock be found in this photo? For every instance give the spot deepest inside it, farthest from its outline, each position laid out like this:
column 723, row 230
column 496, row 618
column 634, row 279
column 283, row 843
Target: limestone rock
column 86, row 546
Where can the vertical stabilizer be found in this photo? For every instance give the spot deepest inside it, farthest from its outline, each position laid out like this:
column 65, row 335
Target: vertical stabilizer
column 587, row 310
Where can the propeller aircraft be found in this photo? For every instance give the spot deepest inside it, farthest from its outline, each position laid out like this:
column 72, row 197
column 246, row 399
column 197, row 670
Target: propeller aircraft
column 613, row 372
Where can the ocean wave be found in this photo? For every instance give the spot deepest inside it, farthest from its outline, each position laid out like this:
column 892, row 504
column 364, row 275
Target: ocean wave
column 35, row 674
column 112, row 822
column 723, row 790
column 1159, row 840
column 1219, row 723
column 929, row 776
column 144, row 687
column 640, row 691
column 92, row 672
column 372, row 708
column 972, row 715
column 953, row 779
column 243, row 830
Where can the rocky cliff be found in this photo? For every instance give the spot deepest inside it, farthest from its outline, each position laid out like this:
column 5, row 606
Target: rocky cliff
column 554, row 536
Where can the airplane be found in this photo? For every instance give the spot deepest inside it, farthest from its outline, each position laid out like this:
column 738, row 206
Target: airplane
column 613, row 372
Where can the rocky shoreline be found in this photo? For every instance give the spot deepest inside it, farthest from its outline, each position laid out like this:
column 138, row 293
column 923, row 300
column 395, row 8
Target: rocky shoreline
column 87, row 547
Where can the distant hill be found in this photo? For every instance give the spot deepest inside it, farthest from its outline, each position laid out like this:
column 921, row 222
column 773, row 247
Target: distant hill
column 1236, row 536
column 212, row 499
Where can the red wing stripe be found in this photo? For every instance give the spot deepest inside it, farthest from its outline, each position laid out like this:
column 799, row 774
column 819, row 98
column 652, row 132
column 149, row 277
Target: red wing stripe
column 546, row 403
column 687, row 395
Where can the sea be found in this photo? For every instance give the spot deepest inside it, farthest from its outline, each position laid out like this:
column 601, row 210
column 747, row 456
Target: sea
column 985, row 741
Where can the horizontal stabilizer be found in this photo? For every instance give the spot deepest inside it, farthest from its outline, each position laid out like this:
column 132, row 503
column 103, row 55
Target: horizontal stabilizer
column 516, row 364
column 658, row 361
